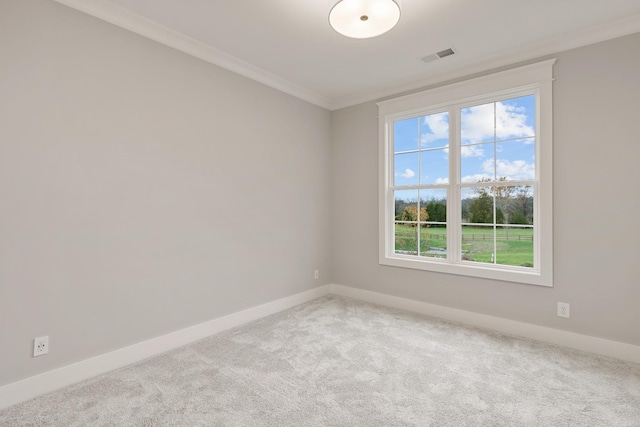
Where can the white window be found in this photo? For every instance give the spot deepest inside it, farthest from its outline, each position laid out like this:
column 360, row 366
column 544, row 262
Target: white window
column 466, row 177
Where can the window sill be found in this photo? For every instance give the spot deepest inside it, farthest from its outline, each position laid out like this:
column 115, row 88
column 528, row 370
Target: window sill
column 503, row 273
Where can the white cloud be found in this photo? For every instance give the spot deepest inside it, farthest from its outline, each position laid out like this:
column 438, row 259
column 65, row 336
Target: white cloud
column 510, row 122
column 441, row 181
column 476, row 177
column 516, row 169
column 439, row 126
column 471, row 151
column 408, row 173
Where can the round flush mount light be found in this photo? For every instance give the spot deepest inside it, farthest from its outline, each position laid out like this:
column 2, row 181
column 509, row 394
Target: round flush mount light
column 362, row 19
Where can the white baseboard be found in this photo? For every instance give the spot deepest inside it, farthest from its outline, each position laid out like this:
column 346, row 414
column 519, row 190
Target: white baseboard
column 46, row 382
column 573, row 340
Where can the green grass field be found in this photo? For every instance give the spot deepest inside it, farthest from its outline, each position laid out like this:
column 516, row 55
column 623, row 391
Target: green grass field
column 514, row 246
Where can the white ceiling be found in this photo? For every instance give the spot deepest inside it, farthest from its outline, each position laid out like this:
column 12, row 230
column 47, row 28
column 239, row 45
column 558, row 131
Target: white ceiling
column 289, row 45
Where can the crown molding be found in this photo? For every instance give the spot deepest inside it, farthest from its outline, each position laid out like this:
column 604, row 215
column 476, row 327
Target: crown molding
column 124, row 18
column 591, row 35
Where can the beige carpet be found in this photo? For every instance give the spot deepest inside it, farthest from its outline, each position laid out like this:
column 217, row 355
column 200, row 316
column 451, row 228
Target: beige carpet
column 341, row 362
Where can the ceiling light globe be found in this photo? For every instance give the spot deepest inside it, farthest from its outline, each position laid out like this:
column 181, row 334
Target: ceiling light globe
column 362, row 19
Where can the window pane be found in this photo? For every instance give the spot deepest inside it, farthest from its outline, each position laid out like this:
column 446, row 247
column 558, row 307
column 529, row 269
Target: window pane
column 406, row 202
column 498, row 204
column 478, row 243
column 514, row 204
column 405, row 135
column 514, row 246
column 433, row 241
column 477, row 163
column 498, row 121
column 477, row 205
column 406, row 239
column 523, row 206
column 516, row 160
column 406, row 167
column 515, row 118
column 434, row 167
column 435, row 204
column 434, row 130
column 477, row 124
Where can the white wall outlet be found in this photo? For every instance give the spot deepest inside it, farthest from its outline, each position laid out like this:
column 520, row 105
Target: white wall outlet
column 40, row 346
column 564, row 309
column 316, row 274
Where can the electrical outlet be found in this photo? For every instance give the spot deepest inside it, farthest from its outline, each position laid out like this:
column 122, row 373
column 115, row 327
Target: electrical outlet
column 316, row 274
column 40, row 346
column 564, row 309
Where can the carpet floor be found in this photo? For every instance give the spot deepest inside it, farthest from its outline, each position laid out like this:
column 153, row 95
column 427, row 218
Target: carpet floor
column 341, row 362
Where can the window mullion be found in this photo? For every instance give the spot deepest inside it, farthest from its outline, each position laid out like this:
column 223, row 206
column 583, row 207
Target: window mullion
column 390, row 224
column 494, row 257
column 453, row 199
column 418, row 241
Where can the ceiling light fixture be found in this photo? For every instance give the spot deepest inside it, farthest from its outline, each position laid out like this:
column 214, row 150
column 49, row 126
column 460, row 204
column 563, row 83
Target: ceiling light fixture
column 362, row 19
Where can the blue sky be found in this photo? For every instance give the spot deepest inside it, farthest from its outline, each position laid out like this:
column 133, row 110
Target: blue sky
column 497, row 140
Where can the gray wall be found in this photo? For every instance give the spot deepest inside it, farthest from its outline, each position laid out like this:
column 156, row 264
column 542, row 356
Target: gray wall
column 596, row 176
column 142, row 190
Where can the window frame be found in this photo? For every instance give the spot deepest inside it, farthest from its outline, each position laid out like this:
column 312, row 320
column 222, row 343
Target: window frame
column 535, row 79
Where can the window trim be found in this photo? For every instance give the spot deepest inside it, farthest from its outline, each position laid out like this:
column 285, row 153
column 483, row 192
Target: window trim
column 538, row 78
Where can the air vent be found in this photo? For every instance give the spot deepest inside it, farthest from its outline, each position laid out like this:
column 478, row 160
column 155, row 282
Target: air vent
column 445, row 53
column 438, row 55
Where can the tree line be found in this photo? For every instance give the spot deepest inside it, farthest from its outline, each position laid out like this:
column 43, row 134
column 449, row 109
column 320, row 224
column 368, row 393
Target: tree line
column 514, row 205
